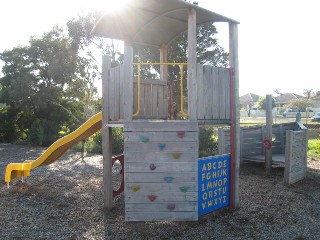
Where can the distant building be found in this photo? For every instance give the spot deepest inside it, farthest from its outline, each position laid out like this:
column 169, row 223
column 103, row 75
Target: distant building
column 249, row 101
column 286, row 98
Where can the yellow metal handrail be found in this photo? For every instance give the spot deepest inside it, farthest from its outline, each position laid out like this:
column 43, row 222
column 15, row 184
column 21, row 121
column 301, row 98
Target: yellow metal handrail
column 181, row 84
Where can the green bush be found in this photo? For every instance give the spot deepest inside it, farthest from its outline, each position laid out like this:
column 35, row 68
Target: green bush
column 208, row 141
column 9, row 131
column 94, row 143
column 36, row 133
column 43, row 133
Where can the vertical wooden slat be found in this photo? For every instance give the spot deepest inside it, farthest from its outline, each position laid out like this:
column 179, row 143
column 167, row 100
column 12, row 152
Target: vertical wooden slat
column 215, row 93
column 128, row 83
column 222, row 102
column 200, row 93
column 106, row 136
column 121, row 97
column 235, row 162
column 207, row 93
column 164, row 59
column 192, row 64
column 269, row 132
column 117, row 93
column 227, row 87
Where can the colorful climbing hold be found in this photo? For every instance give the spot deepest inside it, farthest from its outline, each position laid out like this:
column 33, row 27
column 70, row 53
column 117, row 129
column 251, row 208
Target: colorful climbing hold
column 171, row 206
column 152, row 166
column 144, row 139
column 176, row 155
column 135, row 188
column 181, row 134
column 161, row 146
column 184, row 188
column 152, row 197
column 168, row 179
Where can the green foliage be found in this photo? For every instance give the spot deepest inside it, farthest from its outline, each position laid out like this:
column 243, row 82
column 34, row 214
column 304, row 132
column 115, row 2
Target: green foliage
column 314, row 148
column 262, row 103
column 9, row 131
column 43, row 133
column 94, row 143
column 117, row 140
column 208, row 141
column 301, row 104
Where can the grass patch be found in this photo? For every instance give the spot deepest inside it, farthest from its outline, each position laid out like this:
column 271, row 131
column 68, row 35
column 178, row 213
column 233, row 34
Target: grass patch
column 314, row 148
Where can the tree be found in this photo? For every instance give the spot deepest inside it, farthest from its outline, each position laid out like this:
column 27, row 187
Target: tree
column 44, row 81
column 263, row 105
column 308, row 93
column 208, row 52
column 301, row 104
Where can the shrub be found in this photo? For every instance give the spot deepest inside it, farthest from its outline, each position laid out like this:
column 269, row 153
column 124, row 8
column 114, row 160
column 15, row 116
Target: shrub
column 208, row 141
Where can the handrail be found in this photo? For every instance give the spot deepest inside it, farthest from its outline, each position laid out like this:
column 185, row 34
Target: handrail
column 181, row 84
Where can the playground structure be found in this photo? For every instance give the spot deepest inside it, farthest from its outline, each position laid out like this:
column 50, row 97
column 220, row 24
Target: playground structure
column 160, row 154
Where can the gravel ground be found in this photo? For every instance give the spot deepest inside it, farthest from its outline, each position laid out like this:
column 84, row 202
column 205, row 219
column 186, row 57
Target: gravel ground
column 64, row 201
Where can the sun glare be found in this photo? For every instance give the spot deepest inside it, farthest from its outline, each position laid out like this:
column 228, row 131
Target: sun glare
column 112, row 5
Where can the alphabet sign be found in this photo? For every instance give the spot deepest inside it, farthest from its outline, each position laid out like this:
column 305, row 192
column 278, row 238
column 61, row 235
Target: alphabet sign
column 214, row 183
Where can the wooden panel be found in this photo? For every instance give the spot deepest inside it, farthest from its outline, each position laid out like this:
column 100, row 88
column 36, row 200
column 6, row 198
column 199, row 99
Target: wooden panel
column 111, row 93
column 161, row 216
column 163, row 177
column 117, row 93
column 161, row 207
column 121, row 92
column 207, row 92
column 161, row 136
column 149, row 157
column 160, row 126
column 227, row 86
column 161, row 166
column 155, row 188
column 163, row 197
column 200, row 94
column 222, row 92
column 161, row 173
column 215, row 93
column 296, row 156
column 154, row 147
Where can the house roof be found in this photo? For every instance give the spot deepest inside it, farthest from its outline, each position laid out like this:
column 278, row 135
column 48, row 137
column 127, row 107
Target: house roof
column 152, row 22
column 287, row 97
column 249, row 98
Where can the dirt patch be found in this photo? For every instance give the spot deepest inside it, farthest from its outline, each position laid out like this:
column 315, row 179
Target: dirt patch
column 64, row 201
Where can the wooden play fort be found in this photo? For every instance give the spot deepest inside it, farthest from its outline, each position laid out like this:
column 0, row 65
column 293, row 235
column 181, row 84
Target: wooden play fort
column 160, row 154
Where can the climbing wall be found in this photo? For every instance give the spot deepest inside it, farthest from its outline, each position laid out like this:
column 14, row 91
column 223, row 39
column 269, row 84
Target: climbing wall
column 161, row 170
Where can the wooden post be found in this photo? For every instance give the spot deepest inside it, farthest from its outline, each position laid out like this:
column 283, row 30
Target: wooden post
column 268, row 132
column 235, row 161
column 128, row 83
column 192, row 64
column 106, row 137
column 164, row 59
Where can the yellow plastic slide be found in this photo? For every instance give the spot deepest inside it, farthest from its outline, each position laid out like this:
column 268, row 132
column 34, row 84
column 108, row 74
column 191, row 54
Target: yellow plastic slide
column 56, row 150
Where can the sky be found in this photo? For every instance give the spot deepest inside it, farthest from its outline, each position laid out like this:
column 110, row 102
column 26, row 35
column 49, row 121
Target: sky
column 279, row 40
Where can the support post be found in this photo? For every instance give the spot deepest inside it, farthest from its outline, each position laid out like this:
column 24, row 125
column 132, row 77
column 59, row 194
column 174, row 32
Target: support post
column 235, row 120
column 192, row 64
column 164, row 59
column 268, row 164
column 128, row 83
column 106, row 137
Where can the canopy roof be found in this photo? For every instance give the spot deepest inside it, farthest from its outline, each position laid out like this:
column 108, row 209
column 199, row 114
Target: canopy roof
column 152, row 22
